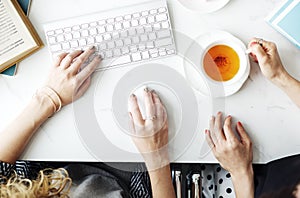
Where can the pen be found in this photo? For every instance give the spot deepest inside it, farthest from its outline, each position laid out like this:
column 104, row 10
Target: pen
column 178, row 184
column 189, row 186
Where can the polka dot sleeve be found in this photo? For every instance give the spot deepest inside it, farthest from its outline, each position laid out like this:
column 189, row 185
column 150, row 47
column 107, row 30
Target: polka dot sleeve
column 216, row 182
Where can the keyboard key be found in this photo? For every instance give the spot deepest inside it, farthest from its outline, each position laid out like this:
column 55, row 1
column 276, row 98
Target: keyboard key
column 108, row 54
column 133, row 49
column 126, row 24
column 84, row 26
column 82, row 42
column 140, row 30
column 161, row 10
column 153, row 11
column 76, row 27
column 90, row 40
column 76, row 35
column 74, row 44
column 99, row 38
column 131, row 32
column 68, row 29
column 120, row 18
column 117, row 52
column 111, row 20
column 136, row 57
column 93, row 31
column 122, row 60
column 66, row 46
column 128, row 17
column 59, row 31
column 163, row 33
column 151, row 19
column 127, row 41
column 143, row 21
column 115, row 35
column 119, row 43
column 52, row 40
column 50, row 33
column 111, row 45
column 110, row 28
column 102, row 46
column 163, row 42
column 142, row 47
column 148, row 28
column 101, row 29
column 118, row 26
column 136, row 15
column 68, row 36
column 102, row 22
column 150, row 45
column 155, row 55
column 161, row 17
column 93, row 24
column 144, row 38
column 107, row 37
column 156, row 26
column 60, row 38
column 124, row 34
column 135, row 40
column 56, row 47
column 145, row 55
column 145, row 13
column 134, row 23
column 152, row 36
column 84, row 33
column 125, row 50
column 165, row 24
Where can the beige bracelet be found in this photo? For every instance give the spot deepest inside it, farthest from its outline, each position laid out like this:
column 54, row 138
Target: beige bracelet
column 51, row 93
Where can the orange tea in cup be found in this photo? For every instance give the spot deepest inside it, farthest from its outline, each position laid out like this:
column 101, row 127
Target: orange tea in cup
column 221, row 63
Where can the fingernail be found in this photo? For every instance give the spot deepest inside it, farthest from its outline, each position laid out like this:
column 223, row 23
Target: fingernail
column 146, row 89
column 133, row 95
column 239, row 123
column 92, row 48
column 99, row 57
column 153, row 91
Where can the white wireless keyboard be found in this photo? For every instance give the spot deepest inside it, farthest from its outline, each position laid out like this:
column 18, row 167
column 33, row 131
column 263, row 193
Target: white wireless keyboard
column 130, row 34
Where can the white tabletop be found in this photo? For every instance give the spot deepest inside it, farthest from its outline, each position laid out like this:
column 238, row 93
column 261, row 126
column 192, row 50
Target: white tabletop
column 270, row 117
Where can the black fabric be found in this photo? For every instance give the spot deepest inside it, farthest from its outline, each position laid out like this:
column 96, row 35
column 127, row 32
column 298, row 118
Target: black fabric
column 278, row 178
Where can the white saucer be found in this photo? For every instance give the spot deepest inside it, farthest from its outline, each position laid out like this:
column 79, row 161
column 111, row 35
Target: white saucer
column 204, row 6
column 198, row 77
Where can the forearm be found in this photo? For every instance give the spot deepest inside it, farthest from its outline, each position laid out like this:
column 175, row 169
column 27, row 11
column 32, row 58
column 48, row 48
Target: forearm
column 243, row 184
column 16, row 136
column 161, row 182
column 290, row 86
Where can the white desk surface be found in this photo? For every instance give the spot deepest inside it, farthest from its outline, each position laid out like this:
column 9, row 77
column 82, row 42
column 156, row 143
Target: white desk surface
column 270, row 117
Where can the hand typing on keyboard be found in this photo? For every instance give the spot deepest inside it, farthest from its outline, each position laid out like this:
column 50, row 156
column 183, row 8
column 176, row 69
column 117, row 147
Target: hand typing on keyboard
column 68, row 78
column 123, row 36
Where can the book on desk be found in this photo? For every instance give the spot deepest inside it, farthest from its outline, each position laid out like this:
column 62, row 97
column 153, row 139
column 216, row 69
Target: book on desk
column 285, row 19
column 18, row 38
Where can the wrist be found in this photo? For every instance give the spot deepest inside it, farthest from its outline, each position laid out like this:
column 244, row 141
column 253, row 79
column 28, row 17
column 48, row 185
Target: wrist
column 43, row 104
column 281, row 79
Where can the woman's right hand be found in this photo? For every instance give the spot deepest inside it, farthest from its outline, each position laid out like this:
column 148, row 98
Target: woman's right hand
column 266, row 54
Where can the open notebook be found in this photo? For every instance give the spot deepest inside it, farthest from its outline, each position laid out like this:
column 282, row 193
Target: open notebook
column 285, row 19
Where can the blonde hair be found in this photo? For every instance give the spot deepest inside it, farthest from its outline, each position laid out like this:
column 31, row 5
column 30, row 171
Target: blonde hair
column 49, row 183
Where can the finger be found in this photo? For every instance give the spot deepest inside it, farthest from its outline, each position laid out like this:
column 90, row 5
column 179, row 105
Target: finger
column 155, row 97
column 82, row 58
column 242, row 133
column 209, row 139
column 149, row 105
column 212, row 130
column 87, row 71
column 219, row 127
column 57, row 59
column 66, row 62
column 135, row 110
column 131, row 123
column 82, row 89
column 159, row 108
column 229, row 134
